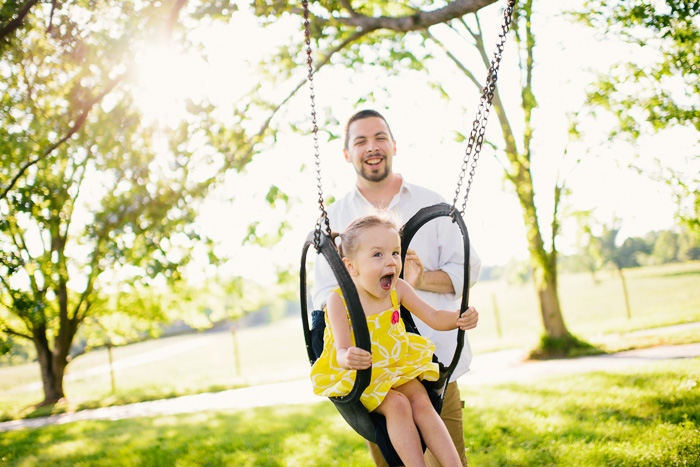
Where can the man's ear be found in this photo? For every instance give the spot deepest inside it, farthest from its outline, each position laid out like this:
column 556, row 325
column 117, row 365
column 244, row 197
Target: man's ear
column 350, row 266
column 347, row 157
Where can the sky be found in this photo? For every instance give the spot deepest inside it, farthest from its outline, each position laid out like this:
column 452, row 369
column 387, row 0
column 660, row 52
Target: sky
column 423, row 125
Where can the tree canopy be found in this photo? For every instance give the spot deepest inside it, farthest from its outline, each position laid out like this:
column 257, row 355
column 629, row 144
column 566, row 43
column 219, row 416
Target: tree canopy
column 658, row 87
column 95, row 200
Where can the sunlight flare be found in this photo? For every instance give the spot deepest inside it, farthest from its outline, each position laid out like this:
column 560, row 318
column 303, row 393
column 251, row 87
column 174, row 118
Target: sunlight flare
column 166, row 79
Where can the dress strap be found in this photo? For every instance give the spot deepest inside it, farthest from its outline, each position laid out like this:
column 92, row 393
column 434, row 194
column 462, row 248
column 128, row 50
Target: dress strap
column 394, row 299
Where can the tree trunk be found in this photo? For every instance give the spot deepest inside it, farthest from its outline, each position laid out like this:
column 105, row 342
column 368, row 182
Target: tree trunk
column 53, row 362
column 51, row 377
column 551, row 311
column 544, row 265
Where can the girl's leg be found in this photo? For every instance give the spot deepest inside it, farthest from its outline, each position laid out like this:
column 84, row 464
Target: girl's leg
column 403, row 433
column 431, row 426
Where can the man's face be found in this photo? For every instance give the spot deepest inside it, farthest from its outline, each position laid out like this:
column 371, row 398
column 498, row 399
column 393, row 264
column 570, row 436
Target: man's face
column 370, row 148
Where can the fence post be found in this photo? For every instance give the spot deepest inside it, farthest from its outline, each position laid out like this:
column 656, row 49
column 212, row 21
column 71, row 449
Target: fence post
column 496, row 315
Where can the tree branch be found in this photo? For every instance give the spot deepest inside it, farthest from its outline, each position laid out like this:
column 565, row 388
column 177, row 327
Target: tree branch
column 251, row 149
column 455, row 60
column 11, row 331
column 348, row 6
column 418, row 21
column 54, row 5
column 172, row 19
column 27, row 322
column 13, row 25
column 89, row 288
column 558, row 191
column 74, row 129
column 174, row 13
column 497, row 103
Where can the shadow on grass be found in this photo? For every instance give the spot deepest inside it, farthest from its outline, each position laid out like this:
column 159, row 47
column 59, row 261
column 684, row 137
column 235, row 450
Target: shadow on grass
column 296, row 435
column 678, row 274
column 563, row 347
column 133, row 396
column 645, row 417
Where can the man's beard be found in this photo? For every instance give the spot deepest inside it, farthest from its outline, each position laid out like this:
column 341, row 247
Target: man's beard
column 372, row 176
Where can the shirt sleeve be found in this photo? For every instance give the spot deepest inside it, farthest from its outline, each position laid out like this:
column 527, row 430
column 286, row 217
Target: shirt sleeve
column 451, row 251
column 324, row 279
column 324, row 282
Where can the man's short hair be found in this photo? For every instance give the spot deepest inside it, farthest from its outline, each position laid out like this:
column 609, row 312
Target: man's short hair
column 362, row 114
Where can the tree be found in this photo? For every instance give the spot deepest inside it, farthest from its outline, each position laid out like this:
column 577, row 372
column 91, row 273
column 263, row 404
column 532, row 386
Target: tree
column 518, row 171
column 623, row 256
column 655, row 90
column 688, row 244
column 91, row 204
column 378, row 33
column 666, row 247
column 589, row 247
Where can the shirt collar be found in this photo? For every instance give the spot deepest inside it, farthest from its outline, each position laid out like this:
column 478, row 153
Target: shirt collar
column 405, row 190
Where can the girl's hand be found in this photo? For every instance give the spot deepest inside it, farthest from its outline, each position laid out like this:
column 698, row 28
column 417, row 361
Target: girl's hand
column 355, row 359
column 468, row 319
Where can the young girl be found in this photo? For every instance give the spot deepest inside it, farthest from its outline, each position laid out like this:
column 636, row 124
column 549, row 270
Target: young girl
column 371, row 251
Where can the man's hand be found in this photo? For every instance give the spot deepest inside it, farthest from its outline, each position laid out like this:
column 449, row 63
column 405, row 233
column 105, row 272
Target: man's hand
column 413, row 269
column 468, row 319
column 417, row 277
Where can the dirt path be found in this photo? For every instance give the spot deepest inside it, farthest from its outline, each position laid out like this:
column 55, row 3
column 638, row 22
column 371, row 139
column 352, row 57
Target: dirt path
column 491, row 368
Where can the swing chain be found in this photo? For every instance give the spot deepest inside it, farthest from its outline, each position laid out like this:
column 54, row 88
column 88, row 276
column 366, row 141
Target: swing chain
column 323, row 218
column 476, row 137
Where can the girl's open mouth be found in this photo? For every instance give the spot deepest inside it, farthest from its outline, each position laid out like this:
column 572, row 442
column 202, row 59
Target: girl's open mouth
column 386, row 281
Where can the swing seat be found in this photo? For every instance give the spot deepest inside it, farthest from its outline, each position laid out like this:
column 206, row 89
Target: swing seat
column 370, row 425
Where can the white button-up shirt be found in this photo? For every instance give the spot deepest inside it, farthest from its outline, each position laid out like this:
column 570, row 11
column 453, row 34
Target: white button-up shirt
column 438, row 244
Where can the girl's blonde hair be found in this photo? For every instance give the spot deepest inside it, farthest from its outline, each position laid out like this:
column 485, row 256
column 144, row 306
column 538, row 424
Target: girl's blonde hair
column 348, row 241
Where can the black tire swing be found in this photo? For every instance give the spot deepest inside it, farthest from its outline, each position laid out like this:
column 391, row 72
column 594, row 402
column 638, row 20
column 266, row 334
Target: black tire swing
column 372, row 426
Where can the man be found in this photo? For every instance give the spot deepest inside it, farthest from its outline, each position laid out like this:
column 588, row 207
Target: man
column 434, row 264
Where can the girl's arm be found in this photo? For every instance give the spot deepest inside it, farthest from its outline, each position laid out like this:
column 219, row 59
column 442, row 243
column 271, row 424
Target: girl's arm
column 349, row 356
column 441, row 320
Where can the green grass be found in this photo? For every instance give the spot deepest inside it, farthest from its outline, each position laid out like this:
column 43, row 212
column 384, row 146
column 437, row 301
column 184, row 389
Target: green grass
column 268, row 354
column 660, row 296
column 647, row 416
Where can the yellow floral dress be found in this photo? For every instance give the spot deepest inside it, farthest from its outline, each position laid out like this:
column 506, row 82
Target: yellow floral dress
column 397, row 358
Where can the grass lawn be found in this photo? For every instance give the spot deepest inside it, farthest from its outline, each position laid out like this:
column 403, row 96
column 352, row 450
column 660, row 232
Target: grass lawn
column 659, row 296
column 646, row 417
column 170, row 367
column 180, row 365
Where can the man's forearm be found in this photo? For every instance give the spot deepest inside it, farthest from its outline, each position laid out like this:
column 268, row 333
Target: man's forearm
column 436, row 281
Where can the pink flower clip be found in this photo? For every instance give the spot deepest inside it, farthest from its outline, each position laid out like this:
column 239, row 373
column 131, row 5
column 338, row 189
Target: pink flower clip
column 395, row 317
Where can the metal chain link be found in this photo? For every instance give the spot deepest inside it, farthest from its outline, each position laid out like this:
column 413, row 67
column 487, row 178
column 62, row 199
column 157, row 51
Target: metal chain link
column 323, row 218
column 476, row 137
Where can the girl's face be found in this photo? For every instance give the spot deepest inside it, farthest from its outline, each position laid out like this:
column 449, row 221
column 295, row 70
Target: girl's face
column 376, row 264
